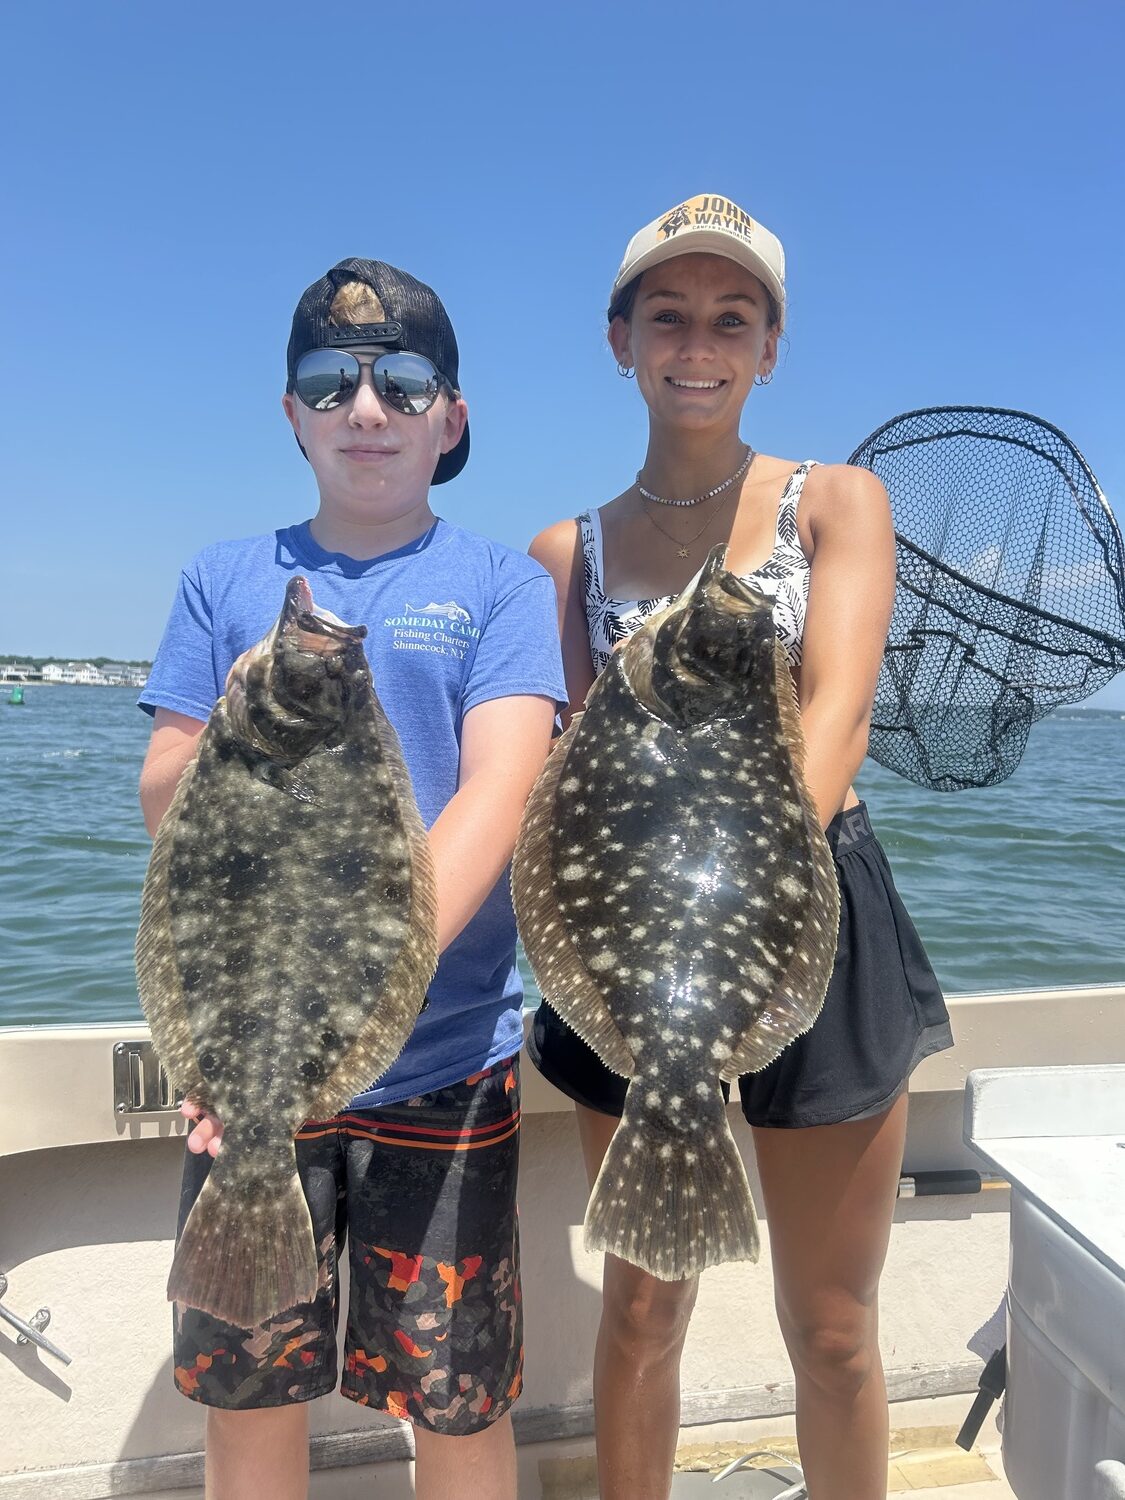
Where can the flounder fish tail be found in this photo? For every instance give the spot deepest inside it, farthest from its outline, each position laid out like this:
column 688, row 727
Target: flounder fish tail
column 672, row 1201
column 249, row 1259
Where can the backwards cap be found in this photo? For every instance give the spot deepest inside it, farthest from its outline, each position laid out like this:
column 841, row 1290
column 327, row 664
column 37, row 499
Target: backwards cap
column 415, row 320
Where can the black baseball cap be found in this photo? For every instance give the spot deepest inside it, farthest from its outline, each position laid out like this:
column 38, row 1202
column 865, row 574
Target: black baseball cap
column 415, row 320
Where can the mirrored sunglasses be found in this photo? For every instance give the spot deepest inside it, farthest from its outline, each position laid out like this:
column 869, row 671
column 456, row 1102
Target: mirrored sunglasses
column 328, row 378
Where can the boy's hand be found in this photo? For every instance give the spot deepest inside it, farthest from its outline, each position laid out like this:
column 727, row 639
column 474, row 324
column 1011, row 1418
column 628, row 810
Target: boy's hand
column 208, row 1133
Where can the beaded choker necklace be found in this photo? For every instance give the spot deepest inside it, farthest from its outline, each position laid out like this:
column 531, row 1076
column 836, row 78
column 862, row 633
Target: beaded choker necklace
column 707, row 494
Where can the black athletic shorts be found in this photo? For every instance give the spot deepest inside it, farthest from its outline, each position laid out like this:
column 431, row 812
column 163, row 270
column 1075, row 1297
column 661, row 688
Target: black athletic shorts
column 425, row 1193
column 883, row 1012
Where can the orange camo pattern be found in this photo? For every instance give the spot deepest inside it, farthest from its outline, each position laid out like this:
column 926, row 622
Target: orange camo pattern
column 405, row 1269
column 359, row 1360
column 298, row 1346
column 407, row 1344
column 188, row 1379
column 455, row 1280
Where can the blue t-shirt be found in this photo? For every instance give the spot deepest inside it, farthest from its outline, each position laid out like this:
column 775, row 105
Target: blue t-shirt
column 453, row 620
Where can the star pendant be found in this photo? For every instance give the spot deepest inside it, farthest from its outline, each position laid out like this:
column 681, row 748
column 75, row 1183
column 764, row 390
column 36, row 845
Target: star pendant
column 683, row 552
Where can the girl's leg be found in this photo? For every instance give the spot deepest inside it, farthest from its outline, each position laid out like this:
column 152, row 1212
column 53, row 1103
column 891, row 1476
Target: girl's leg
column 829, row 1193
column 637, row 1360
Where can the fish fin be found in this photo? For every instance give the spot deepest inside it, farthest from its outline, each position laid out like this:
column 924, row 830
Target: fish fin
column 562, row 977
column 669, row 1204
column 158, row 974
column 245, row 1262
column 413, row 969
column 797, row 1000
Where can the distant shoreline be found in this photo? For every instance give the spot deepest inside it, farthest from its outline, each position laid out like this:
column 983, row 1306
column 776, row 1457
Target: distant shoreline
column 40, row 682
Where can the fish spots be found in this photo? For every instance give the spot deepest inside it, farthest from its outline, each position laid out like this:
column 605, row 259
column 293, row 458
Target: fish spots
column 312, row 1005
column 573, row 871
column 603, row 962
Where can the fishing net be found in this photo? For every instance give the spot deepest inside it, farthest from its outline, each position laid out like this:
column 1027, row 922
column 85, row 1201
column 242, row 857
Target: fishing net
column 1011, row 590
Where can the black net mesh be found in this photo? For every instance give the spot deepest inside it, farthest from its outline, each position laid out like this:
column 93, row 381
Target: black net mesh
column 1011, row 590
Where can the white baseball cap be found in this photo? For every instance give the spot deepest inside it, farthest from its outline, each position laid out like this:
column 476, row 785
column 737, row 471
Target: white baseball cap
column 712, row 225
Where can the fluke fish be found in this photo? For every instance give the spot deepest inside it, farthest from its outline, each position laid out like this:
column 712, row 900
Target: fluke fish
column 287, row 938
column 678, row 904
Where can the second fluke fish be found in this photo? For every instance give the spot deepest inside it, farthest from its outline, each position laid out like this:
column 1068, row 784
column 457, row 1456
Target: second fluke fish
column 287, row 937
column 678, row 903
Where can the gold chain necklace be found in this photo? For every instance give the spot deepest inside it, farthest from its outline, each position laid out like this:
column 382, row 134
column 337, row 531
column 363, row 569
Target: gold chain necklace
column 684, row 545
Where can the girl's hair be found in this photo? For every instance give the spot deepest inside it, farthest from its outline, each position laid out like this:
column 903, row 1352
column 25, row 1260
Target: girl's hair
column 622, row 304
column 356, row 302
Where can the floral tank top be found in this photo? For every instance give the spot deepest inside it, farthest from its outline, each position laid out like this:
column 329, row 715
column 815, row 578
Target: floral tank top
column 784, row 576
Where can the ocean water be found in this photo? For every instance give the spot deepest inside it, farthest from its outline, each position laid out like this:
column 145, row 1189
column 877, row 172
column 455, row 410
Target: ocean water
column 1018, row 885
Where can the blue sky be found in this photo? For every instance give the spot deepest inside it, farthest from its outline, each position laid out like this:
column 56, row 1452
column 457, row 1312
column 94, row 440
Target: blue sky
column 945, row 178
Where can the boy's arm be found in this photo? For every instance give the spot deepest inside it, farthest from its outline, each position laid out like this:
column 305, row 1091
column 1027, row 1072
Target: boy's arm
column 504, row 743
column 170, row 749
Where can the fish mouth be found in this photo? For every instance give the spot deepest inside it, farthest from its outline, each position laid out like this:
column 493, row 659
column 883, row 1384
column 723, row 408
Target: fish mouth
column 283, row 691
column 703, row 646
column 738, row 596
column 316, row 629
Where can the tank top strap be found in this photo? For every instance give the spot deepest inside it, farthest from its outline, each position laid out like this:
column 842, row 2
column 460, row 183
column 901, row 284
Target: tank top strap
column 590, row 531
column 786, row 528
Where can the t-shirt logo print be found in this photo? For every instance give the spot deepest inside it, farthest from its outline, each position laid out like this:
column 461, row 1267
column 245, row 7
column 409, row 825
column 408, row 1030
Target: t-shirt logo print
column 675, row 221
column 450, row 610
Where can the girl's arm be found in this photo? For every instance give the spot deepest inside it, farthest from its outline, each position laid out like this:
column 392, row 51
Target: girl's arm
column 851, row 593
column 559, row 550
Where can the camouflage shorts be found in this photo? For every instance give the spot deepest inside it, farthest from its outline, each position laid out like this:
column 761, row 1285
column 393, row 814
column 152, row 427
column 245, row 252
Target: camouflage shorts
column 424, row 1193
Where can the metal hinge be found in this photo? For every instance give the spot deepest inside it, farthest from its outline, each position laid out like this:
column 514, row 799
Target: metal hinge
column 140, row 1084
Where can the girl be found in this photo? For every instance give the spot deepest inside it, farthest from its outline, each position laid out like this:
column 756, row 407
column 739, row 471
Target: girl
column 695, row 315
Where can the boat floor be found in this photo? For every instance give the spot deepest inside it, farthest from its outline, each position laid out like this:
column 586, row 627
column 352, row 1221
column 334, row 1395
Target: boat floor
column 933, row 1469
column 925, row 1464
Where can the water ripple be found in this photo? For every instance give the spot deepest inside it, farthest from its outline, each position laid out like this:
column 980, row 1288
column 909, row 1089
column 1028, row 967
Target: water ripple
column 1015, row 885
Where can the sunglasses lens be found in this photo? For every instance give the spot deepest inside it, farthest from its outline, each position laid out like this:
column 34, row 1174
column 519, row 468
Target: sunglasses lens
column 326, row 378
column 408, row 382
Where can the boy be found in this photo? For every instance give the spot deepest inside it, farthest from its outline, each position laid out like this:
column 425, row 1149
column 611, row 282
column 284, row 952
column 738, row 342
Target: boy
column 420, row 1170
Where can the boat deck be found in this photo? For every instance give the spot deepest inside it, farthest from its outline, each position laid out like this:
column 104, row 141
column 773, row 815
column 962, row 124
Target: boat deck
column 925, row 1463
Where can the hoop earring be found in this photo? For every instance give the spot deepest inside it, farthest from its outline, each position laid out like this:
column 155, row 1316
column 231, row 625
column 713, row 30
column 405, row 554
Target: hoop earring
column 763, row 379
column 625, row 372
